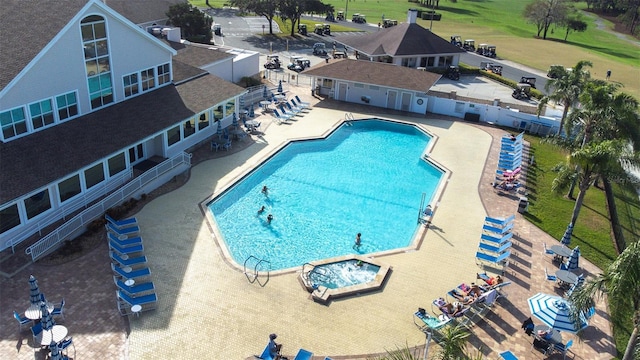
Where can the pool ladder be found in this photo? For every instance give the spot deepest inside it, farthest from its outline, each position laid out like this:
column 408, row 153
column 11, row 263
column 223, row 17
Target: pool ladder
column 322, row 274
column 254, row 275
column 348, row 118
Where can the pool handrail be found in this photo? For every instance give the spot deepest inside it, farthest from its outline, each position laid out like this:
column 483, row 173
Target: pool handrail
column 254, row 277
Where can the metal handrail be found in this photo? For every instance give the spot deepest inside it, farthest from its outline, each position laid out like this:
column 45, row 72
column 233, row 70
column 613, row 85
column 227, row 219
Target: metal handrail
column 44, row 245
column 254, row 277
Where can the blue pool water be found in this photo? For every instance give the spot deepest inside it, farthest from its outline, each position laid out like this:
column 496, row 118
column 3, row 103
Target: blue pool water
column 343, row 273
column 366, row 178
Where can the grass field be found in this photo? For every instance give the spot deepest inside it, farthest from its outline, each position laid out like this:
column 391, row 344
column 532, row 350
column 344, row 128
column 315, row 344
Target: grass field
column 499, row 22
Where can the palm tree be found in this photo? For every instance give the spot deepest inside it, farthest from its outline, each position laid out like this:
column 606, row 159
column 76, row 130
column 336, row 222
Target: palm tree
column 453, row 341
column 621, row 283
column 566, row 89
column 593, row 160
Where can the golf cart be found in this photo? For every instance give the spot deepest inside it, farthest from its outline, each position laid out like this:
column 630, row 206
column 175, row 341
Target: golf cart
column 469, row 45
column 490, row 51
column 456, row 40
column 386, row 23
column 319, row 49
column 358, row 18
column 340, row 16
column 302, row 29
column 339, row 54
column 326, row 29
column 453, row 73
column 298, row 63
column 217, row 29
column 491, row 67
column 528, row 80
column 522, row 92
column 318, row 29
column 482, row 48
column 273, row 62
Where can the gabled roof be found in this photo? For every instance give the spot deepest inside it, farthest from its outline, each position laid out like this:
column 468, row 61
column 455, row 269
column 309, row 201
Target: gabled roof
column 405, row 39
column 375, row 73
column 197, row 55
column 28, row 26
column 81, row 141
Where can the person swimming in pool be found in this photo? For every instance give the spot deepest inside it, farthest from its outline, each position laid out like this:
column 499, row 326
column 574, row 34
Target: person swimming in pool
column 265, row 190
column 358, row 243
column 261, row 210
column 269, row 218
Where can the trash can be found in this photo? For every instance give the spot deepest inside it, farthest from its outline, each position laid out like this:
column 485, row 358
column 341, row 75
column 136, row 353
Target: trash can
column 217, row 29
column 523, row 205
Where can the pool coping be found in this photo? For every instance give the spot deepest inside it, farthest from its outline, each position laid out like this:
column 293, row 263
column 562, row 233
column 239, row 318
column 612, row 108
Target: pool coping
column 417, row 237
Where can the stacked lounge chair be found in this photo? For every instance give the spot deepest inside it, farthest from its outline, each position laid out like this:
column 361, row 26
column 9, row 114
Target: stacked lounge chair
column 135, row 293
column 494, row 248
column 509, row 162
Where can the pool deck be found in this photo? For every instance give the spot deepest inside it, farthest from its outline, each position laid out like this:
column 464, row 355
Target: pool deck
column 208, row 309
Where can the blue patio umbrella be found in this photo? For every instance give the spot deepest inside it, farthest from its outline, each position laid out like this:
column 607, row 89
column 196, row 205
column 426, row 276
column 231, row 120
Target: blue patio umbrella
column 566, row 238
column 242, row 102
column 55, row 351
column 219, row 131
column 235, row 120
column 555, row 312
column 34, row 291
column 264, row 92
column 572, row 261
column 46, row 319
column 251, row 111
column 280, row 86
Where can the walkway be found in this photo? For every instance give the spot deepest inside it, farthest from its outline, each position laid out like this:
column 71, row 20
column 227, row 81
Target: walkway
column 207, row 309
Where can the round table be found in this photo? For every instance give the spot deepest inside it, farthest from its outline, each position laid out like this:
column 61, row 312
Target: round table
column 33, row 312
column 566, row 276
column 560, row 250
column 135, row 309
column 265, row 104
column 555, row 338
column 55, row 334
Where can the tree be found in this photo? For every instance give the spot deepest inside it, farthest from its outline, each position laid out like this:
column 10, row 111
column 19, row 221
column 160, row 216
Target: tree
column 193, row 23
column 566, row 89
column 621, row 283
column 592, row 161
column 453, row 342
column 266, row 8
column 574, row 23
column 293, row 9
column 545, row 13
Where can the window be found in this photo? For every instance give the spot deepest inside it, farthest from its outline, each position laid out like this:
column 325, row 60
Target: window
column 37, row 204
column 327, row 83
column 94, row 175
column 164, row 74
column 217, row 113
column 204, row 121
column 189, row 127
column 231, row 107
column 67, row 105
column 148, row 81
column 9, row 218
column 173, row 135
column 97, row 63
column 358, row 85
column 13, row 123
column 136, row 153
column 431, row 61
column 69, row 188
column 374, row 87
column 41, row 114
column 130, row 84
column 117, row 164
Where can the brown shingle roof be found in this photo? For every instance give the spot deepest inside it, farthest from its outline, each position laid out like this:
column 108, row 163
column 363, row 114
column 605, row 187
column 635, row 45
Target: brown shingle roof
column 60, row 150
column 375, row 73
column 400, row 40
column 197, row 55
column 142, row 11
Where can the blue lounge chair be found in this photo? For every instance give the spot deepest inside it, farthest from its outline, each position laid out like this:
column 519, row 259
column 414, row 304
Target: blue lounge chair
column 484, row 247
column 129, row 250
column 499, row 222
column 280, row 117
column 59, row 311
column 508, row 355
column 549, row 277
column 137, row 240
column 133, row 274
column 304, row 103
column 129, row 231
column 266, row 354
column 425, row 321
column 498, row 230
column 291, row 109
column 496, row 260
column 124, row 223
column 498, row 241
column 140, row 260
column 135, row 290
column 144, row 301
column 300, row 105
column 303, row 355
column 295, row 107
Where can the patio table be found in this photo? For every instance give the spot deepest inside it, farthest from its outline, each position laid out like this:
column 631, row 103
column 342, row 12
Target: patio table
column 57, row 333
column 566, row 277
column 555, row 338
column 561, row 251
column 33, row 312
column 265, row 105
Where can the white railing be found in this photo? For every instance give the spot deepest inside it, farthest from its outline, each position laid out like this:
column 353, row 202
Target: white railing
column 42, row 246
column 67, row 209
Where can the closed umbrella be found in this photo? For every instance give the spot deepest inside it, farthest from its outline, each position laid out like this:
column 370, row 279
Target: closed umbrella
column 566, row 238
column 572, row 262
column 34, row 292
column 555, row 312
column 235, row 120
column 280, row 86
column 242, row 102
column 251, row 111
column 264, row 92
column 46, row 319
column 55, row 352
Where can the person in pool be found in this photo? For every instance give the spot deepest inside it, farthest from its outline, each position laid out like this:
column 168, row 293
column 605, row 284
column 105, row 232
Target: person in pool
column 269, row 218
column 358, row 241
column 265, row 190
column 261, row 210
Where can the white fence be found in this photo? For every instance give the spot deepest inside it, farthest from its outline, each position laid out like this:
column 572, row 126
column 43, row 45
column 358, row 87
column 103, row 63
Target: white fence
column 78, row 222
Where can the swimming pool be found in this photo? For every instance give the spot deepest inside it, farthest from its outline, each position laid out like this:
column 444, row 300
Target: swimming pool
column 366, row 177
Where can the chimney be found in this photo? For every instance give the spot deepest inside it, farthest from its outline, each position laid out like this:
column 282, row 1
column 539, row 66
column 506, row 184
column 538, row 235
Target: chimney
column 412, row 16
